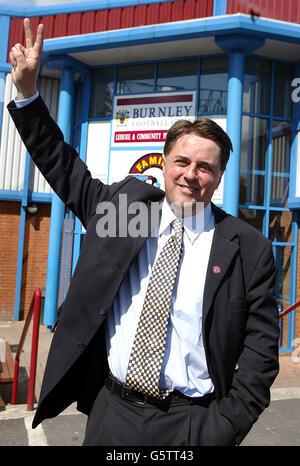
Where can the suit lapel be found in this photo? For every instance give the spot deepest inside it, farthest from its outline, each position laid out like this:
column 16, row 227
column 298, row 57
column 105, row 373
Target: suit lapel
column 223, row 251
column 131, row 244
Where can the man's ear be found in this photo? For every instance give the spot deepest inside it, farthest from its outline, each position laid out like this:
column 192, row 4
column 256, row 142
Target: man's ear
column 222, row 173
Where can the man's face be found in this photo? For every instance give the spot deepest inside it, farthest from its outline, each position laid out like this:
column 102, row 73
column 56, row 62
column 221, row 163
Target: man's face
column 192, row 170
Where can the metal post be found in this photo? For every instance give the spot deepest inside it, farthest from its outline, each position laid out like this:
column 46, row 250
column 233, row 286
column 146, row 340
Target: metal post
column 219, row 7
column 58, row 208
column 20, row 262
column 4, row 37
column 34, row 348
column 234, row 129
column 35, row 308
column 236, row 46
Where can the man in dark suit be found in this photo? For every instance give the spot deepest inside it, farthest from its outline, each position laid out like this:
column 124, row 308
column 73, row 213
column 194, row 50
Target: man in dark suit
column 221, row 345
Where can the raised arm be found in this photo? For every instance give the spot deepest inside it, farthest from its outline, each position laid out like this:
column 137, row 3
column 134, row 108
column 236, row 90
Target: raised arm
column 60, row 164
column 26, row 61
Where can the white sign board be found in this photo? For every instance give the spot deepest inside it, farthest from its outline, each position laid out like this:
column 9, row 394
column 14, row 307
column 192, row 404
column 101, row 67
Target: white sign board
column 139, row 127
column 143, row 120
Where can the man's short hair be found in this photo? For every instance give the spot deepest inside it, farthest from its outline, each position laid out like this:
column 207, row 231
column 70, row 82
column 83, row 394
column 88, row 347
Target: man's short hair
column 203, row 127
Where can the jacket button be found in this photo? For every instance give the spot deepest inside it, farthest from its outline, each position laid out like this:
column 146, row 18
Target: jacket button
column 81, row 347
column 103, row 311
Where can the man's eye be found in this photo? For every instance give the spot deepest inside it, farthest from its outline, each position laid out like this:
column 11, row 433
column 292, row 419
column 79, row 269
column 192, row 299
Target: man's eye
column 181, row 163
column 205, row 168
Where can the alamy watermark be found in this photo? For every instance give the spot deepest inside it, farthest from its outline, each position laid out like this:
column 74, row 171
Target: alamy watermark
column 296, row 91
column 137, row 219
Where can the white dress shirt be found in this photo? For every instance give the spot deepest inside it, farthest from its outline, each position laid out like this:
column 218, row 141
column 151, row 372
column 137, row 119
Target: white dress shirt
column 184, row 366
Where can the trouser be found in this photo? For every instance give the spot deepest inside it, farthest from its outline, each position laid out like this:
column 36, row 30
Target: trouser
column 118, row 422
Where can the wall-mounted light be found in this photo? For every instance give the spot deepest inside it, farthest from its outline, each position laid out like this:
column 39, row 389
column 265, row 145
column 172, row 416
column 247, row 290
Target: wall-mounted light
column 32, row 208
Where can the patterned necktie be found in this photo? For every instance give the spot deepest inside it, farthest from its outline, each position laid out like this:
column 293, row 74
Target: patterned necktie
column 148, row 349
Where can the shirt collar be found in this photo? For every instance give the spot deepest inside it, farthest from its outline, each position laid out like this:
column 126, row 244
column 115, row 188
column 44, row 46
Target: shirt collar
column 193, row 225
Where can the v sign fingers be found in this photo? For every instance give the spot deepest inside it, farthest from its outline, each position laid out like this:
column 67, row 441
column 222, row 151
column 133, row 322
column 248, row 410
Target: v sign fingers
column 29, row 37
column 26, row 61
column 36, row 44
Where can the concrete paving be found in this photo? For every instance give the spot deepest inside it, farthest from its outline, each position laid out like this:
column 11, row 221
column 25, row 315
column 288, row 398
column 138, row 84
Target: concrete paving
column 279, row 425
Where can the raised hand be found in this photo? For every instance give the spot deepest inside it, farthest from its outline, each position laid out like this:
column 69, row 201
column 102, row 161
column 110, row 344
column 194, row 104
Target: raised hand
column 26, row 61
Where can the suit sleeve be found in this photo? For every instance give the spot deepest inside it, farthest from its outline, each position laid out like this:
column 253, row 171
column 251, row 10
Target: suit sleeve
column 258, row 364
column 60, row 164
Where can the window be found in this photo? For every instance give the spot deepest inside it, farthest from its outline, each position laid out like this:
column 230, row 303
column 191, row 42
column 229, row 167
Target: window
column 101, row 93
column 253, row 161
column 283, row 90
column 257, row 85
column 177, row 76
column 254, row 217
column 134, row 79
column 265, row 172
column 280, row 173
column 213, row 85
column 280, row 226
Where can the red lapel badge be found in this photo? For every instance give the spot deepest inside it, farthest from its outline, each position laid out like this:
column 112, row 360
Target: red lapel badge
column 217, row 269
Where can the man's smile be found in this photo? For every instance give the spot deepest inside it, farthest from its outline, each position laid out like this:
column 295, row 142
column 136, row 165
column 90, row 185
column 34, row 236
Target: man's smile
column 188, row 189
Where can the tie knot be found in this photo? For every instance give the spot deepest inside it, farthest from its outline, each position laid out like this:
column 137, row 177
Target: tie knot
column 178, row 227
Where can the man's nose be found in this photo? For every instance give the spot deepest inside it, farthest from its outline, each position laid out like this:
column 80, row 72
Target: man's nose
column 191, row 172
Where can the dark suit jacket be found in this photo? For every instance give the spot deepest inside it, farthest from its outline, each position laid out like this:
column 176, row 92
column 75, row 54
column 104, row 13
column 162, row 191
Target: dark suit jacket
column 240, row 319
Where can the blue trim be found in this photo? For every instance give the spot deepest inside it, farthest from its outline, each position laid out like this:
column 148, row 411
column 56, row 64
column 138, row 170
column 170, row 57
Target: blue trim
column 82, row 154
column 236, row 46
column 20, row 262
column 263, row 207
column 2, row 91
column 18, row 196
column 26, row 178
column 4, row 37
column 5, row 67
column 219, row 7
column 204, row 27
column 58, row 207
column 233, row 129
column 10, row 195
column 74, row 7
column 45, row 198
column 237, row 42
column 4, row 40
column 281, row 243
column 268, row 158
column 294, row 203
column 267, row 115
column 111, row 127
column 61, row 62
column 263, row 172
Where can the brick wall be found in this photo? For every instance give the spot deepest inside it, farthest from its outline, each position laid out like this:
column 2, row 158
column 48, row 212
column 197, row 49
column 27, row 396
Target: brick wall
column 9, row 237
column 34, row 257
column 36, row 243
